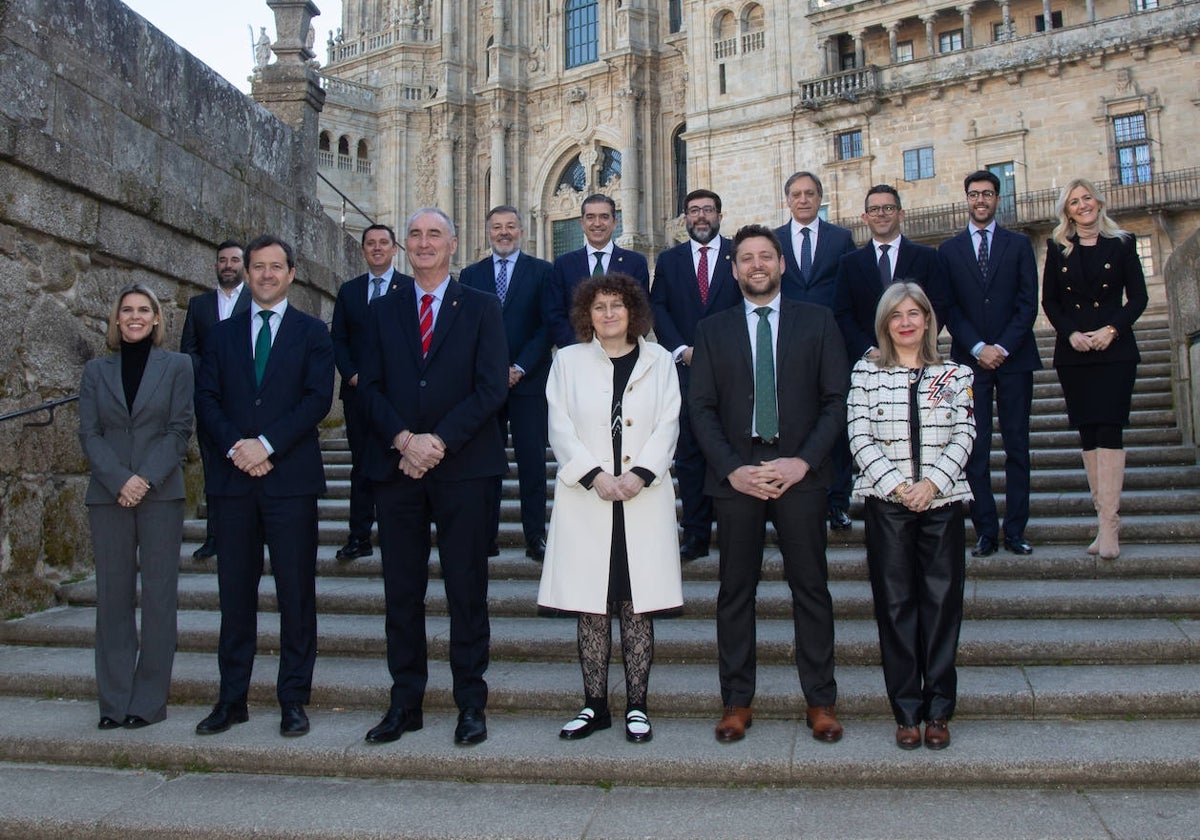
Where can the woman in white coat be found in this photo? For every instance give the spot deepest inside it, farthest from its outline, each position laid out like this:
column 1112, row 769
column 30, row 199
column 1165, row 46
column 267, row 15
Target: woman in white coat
column 614, row 420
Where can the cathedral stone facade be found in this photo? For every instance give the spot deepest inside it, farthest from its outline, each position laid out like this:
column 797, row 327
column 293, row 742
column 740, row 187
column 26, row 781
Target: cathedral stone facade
column 536, row 103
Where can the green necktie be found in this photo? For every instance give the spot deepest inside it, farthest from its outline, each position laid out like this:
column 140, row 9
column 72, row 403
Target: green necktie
column 262, row 346
column 598, row 271
column 766, row 416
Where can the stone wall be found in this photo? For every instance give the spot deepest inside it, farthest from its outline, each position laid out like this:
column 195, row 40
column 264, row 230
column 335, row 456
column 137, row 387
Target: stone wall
column 1183, row 283
column 122, row 158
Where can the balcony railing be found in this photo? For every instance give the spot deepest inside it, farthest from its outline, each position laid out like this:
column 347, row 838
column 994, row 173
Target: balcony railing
column 1168, row 191
column 398, row 34
column 347, row 92
column 725, row 48
column 848, row 86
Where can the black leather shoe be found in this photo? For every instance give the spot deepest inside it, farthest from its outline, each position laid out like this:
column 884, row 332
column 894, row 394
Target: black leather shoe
column 585, row 723
column 472, row 727
column 536, row 550
column 293, row 722
column 108, row 723
column 209, row 549
column 986, row 547
column 692, row 548
column 838, row 520
column 223, row 716
column 637, row 727
column 353, row 548
column 134, row 722
column 1017, row 545
column 394, row 724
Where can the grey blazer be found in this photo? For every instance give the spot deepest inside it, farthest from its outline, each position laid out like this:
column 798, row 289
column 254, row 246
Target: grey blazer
column 150, row 441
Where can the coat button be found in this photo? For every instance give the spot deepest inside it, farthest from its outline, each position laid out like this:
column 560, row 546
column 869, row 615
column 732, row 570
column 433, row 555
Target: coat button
column 626, row 459
column 258, row 401
column 1103, row 285
column 628, row 422
column 1095, row 304
column 948, row 415
column 1068, row 288
column 879, row 411
column 1064, row 269
column 1108, row 265
column 1077, row 306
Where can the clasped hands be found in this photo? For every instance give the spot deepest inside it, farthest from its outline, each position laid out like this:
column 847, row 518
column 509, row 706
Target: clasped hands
column 251, row 457
column 613, row 488
column 133, row 491
column 1094, row 340
column 419, row 453
column 916, row 497
column 769, row 480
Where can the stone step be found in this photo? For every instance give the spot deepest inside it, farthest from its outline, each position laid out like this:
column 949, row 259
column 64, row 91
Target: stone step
column 1026, row 641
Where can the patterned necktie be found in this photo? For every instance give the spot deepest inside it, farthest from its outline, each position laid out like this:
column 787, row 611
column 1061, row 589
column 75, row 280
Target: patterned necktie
column 426, row 322
column 376, row 282
column 983, row 254
column 766, row 414
column 262, row 346
column 885, row 266
column 702, row 275
column 598, row 271
column 806, row 255
column 502, row 281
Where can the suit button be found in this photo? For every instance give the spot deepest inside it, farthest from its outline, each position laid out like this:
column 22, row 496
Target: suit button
column 1096, row 304
column 1107, row 266
column 258, row 401
column 1077, row 306
column 1064, row 269
column 422, row 383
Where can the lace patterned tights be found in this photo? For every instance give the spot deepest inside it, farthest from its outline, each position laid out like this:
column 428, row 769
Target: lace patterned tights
column 637, row 650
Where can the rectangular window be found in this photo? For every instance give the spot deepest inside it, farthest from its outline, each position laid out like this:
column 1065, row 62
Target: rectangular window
column 582, row 31
column 721, row 77
column 849, row 145
column 1133, row 149
column 1039, row 22
column 918, row 163
column 1000, row 32
column 950, row 41
column 675, row 15
column 904, row 51
column 1145, row 249
column 847, row 61
column 1144, row 5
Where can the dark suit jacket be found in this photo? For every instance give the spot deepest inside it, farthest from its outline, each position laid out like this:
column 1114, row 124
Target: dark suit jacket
column 1075, row 301
column 150, row 441
column 524, row 321
column 859, row 289
column 832, row 242
column 295, row 395
column 812, row 379
column 1000, row 312
column 349, row 327
column 675, row 297
column 453, row 392
column 573, row 267
column 201, row 317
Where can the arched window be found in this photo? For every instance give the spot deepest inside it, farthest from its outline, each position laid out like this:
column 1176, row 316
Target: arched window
column 487, row 58
column 582, row 32
column 362, row 150
column 344, row 146
column 724, row 35
column 610, row 165
column 675, row 15
column 573, row 176
column 363, row 163
column 754, row 28
column 679, row 163
column 323, row 141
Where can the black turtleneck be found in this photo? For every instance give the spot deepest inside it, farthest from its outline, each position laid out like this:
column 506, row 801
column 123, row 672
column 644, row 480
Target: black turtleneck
column 133, row 365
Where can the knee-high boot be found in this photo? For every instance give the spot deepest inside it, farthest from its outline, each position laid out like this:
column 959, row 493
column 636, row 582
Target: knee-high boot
column 1093, row 479
column 1110, row 466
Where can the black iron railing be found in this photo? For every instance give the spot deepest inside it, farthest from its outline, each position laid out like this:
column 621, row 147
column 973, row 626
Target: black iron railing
column 47, row 407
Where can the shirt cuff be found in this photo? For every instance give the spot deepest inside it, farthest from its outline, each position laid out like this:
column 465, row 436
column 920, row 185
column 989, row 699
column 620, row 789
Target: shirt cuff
column 266, row 445
column 644, row 474
column 977, row 349
column 589, row 477
column 677, row 354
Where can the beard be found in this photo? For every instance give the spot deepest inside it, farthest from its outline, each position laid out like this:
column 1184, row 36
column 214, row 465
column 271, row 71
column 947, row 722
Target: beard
column 702, row 235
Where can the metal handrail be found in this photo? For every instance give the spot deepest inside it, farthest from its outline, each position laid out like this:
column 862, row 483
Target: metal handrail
column 345, row 200
column 47, row 407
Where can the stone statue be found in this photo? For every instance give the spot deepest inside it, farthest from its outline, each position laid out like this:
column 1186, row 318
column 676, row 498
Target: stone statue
column 262, row 49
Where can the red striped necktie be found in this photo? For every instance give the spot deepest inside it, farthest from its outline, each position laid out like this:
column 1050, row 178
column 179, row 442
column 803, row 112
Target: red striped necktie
column 426, row 321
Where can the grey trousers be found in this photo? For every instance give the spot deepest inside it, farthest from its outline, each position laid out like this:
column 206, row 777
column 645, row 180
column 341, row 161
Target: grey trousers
column 133, row 676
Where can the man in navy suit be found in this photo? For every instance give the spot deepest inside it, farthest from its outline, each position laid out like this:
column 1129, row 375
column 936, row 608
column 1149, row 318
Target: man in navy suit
column 889, row 257
column 993, row 286
column 811, row 250
column 519, row 281
column 433, row 377
column 203, row 312
column 349, row 335
column 598, row 218
column 266, row 382
column 691, row 281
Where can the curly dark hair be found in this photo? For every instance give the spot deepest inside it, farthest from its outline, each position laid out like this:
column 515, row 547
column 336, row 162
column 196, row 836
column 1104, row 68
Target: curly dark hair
column 637, row 304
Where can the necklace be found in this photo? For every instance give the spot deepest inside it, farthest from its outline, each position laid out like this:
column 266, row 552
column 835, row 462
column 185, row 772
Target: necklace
column 914, row 374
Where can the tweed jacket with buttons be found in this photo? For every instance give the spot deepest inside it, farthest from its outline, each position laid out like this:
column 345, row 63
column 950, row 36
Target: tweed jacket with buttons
column 877, row 411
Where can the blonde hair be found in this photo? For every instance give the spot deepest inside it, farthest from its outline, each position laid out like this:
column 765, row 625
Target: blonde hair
column 112, row 338
column 893, row 296
column 1065, row 229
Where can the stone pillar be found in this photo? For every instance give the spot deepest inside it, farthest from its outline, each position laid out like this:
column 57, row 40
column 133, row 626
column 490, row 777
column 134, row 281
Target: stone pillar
column 859, row 54
column 892, row 29
column 445, row 164
column 929, row 42
column 1090, row 7
column 1006, row 17
column 1046, row 14
column 968, row 38
column 498, row 129
column 630, row 211
column 290, row 88
column 827, row 64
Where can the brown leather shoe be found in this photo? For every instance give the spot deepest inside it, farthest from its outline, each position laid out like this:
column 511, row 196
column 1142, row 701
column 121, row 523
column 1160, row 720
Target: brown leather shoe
column 937, row 734
column 823, row 722
column 908, row 737
column 734, row 723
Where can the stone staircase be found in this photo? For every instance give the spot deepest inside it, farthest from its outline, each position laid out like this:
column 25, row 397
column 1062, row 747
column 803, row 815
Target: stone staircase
column 1078, row 715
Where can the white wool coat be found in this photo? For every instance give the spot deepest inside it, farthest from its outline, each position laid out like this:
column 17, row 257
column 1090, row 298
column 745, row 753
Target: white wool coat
column 579, row 393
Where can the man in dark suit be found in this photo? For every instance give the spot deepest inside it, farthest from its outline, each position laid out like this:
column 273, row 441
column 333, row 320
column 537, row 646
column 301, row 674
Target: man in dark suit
column 811, row 250
column 598, row 218
column 266, row 382
column 203, row 312
column 433, row 378
column 993, row 284
column 519, row 281
column 691, row 281
column 887, row 258
column 768, row 455
column 349, row 335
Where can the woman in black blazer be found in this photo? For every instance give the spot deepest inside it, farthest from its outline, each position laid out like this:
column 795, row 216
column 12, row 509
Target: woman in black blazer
column 135, row 419
column 1093, row 291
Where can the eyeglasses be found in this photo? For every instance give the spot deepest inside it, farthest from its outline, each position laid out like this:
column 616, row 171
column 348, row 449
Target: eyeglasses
column 706, row 210
column 976, row 194
column 882, row 209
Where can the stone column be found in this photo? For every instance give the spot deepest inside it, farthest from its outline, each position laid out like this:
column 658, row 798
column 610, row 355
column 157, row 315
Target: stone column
column 630, row 211
column 1006, row 17
column 1046, row 14
column 929, row 42
column 892, row 29
column 827, row 64
column 498, row 128
column 968, row 38
column 445, row 164
column 1090, row 7
column 859, row 54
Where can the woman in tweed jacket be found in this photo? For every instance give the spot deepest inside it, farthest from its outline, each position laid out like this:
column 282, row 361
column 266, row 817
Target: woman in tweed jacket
column 914, row 507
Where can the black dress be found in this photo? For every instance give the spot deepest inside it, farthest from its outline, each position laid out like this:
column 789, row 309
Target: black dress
column 618, row 562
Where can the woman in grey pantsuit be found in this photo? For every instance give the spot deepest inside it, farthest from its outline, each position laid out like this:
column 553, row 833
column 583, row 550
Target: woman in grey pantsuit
column 135, row 419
